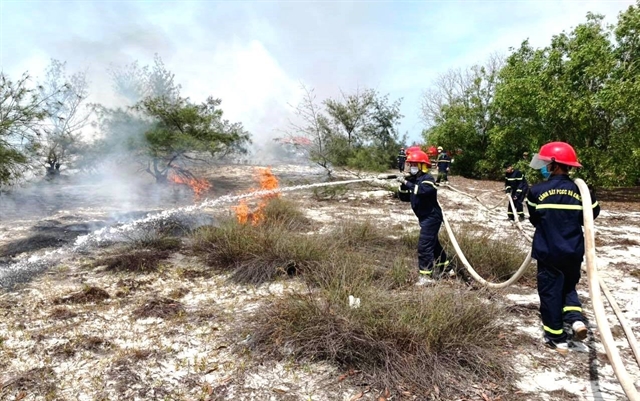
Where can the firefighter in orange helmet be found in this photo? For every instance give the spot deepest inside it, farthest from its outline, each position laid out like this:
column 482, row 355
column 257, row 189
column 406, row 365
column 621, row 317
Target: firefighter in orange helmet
column 424, row 202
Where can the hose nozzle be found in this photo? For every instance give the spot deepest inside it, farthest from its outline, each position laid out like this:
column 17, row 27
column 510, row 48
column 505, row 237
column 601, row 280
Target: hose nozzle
column 387, row 176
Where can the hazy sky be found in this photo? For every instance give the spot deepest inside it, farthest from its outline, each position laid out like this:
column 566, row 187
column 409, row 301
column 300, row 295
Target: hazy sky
column 255, row 54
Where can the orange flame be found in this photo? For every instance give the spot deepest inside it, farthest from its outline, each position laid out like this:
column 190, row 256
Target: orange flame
column 267, row 182
column 242, row 212
column 198, row 185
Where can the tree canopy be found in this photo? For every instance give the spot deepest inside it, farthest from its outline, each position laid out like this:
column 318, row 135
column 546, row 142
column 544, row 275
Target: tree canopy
column 582, row 88
column 358, row 130
column 161, row 130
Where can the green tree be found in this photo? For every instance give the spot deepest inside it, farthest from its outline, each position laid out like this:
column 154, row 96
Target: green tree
column 582, row 89
column 161, row 130
column 22, row 112
column 459, row 109
column 566, row 92
column 66, row 115
column 180, row 131
column 358, row 131
column 363, row 130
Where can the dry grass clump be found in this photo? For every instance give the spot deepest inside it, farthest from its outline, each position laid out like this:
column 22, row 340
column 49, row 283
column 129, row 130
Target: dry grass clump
column 329, row 192
column 164, row 308
column 494, row 260
column 430, row 342
column 179, row 224
column 86, row 295
column 153, row 239
column 81, row 343
column 285, row 213
column 124, row 372
column 352, row 273
column 36, row 383
column 359, row 235
column 62, row 313
column 134, row 260
column 256, row 254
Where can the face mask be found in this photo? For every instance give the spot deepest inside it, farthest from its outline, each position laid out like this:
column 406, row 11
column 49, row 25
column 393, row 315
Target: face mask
column 545, row 173
column 413, row 170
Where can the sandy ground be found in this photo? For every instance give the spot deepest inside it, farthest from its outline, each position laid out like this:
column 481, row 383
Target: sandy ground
column 102, row 349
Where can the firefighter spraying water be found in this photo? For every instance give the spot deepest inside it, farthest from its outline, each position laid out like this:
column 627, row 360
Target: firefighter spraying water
column 419, row 188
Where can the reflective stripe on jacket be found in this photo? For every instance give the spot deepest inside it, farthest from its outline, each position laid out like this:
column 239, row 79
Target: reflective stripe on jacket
column 555, row 210
column 424, row 197
column 443, row 162
column 516, row 184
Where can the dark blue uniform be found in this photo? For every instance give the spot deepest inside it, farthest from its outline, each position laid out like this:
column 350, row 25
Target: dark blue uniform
column 443, row 163
column 402, row 157
column 515, row 184
column 555, row 210
column 424, row 202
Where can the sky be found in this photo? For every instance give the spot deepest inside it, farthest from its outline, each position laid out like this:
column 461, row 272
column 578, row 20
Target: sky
column 255, row 55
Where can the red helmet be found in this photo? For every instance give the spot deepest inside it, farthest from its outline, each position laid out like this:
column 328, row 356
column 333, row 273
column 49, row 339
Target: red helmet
column 412, row 149
column 418, row 156
column 559, row 152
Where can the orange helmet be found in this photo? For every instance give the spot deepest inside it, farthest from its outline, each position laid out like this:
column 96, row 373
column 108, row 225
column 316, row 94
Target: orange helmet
column 418, row 156
column 559, row 152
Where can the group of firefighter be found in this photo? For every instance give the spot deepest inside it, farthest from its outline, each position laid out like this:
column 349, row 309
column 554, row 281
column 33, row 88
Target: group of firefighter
column 555, row 210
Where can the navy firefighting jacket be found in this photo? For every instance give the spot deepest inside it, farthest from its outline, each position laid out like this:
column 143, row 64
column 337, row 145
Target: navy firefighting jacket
column 516, row 184
column 443, row 161
column 555, row 210
column 402, row 157
column 424, row 197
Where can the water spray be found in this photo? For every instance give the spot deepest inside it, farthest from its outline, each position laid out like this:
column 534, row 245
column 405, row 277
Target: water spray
column 38, row 263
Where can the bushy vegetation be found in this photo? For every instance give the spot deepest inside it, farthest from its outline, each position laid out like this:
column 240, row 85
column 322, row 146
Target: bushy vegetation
column 400, row 338
column 581, row 88
column 285, row 213
column 423, row 343
column 358, row 130
column 493, row 260
column 256, row 254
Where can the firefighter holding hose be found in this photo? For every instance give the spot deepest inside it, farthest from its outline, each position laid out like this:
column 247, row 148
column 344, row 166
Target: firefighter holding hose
column 555, row 210
column 423, row 196
column 515, row 184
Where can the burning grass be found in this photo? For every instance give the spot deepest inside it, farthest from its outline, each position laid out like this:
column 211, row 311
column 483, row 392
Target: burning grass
column 267, row 182
column 426, row 343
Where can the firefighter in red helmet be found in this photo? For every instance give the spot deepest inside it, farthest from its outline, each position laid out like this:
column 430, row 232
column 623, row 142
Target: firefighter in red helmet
column 424, row 201
column 555, row 210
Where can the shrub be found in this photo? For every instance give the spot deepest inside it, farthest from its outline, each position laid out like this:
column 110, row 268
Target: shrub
column 440, row 338
column 494, row 260
column 256, row 254
column 134, row 260
column 282, row 212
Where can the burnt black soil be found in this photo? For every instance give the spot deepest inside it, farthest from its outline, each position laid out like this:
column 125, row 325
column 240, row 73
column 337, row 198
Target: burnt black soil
column 49, row 234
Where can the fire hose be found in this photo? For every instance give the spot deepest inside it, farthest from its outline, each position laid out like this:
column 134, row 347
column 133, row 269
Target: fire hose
column 595, row 284
column 476, row 198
